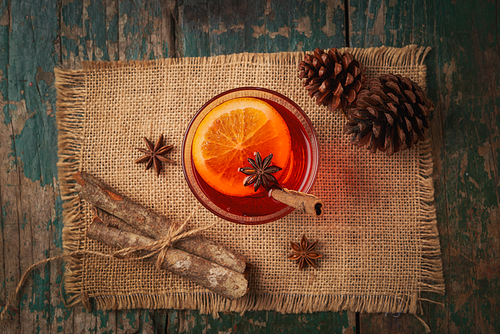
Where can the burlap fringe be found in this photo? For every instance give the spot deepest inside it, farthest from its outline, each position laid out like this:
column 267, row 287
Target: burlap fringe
column 431, row 266
column 410, row 56
column 209, row 303
column 70, row 86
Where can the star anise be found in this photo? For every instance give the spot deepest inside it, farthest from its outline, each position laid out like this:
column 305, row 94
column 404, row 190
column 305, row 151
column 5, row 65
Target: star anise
column 304, row 253
column 155, row 154
column 260, row 174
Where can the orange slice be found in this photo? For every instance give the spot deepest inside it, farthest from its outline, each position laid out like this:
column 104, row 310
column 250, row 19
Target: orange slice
column 230, row 134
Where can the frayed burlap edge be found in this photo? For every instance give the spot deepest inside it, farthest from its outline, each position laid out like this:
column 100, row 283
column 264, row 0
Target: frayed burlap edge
column 410, row 56
column 70, row 85
column 71, row 92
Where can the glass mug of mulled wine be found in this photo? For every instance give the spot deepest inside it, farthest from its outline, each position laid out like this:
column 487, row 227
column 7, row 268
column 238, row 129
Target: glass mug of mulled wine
column 243, row 144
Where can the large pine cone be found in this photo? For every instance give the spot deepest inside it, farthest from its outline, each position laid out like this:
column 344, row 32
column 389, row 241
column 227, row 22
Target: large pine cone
column 333, row 78
column 390, row 115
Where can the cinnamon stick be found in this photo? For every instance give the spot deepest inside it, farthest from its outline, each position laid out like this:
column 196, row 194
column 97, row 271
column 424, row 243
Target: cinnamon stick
column 113, row 221
column 301, row 201
column 151, row 224
column 191, row 245
column 218, row 279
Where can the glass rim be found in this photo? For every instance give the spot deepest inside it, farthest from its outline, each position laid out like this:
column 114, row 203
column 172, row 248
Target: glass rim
column 263, row 93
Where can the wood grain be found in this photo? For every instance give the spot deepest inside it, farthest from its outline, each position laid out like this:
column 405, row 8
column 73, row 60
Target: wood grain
column 463, row 81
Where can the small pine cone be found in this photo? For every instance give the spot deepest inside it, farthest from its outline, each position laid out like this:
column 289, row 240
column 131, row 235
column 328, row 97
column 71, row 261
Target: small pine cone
column 334, row 78
column 390, row 115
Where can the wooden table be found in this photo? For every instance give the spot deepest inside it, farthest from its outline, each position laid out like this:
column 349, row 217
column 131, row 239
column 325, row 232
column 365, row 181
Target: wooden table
column 463, row 81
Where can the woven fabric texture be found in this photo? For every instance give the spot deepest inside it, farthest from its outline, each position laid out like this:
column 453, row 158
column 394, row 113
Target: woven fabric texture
column 378, row 236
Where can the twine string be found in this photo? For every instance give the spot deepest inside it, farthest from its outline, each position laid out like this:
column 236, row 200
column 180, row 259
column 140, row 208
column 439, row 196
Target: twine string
column 158, row 247
column 161, row 246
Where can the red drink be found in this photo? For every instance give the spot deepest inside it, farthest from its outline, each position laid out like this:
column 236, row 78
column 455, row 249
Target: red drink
column 298, row 173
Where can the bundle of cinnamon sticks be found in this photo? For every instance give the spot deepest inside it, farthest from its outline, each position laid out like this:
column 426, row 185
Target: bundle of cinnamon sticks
column 121, row 223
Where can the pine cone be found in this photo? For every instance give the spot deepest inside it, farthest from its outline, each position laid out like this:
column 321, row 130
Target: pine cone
column 390, row 115
column 333, row 78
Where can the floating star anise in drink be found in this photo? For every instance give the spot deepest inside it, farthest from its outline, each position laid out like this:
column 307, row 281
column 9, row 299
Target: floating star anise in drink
column 260, row 174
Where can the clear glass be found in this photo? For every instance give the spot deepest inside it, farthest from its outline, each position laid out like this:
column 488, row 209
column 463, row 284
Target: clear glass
column 298, row 175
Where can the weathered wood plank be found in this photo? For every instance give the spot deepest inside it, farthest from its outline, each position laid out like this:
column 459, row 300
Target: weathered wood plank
column 265, row 322
column 111, row 7
column 194, row 27
column 464, row 135
column 226, row 27
column 317, row 24
column 172, row 322
column 272, row 322
column 153, row 321
column 105, row 321
column 94, row 21
column 192, row 320
column 31, row 59
column 159, row 321
column 226, row 21
column 5, row 141
column 158, row 38
column 466, row 150
column 127, row 321
column 384, row 22
column 468, row 81
column 140, row 32
column 72, row 33
column 9, row 184
column 278, row 26
column 88, row 31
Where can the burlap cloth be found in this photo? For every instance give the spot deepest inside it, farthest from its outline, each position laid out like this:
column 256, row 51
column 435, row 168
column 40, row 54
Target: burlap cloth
column 378, row 236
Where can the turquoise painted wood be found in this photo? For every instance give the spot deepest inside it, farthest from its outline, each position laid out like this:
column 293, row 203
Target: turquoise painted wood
column 463, row 81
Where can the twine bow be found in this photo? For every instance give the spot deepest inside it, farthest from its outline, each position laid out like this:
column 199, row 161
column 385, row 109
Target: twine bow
column 161, row 246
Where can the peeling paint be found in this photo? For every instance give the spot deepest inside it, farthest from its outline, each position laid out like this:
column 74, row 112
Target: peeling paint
column 4, row 210
column 239, row 26
column 259, row 31
column 17, row 115
column 300, row 46
column 329, row 29
column 5, row 18
column 257, row 323
column 222, row 29
column 40, row 290
column 471, row 180
column 283, row 31
column 463, row 164
column 48, row 77
column 304, row 26
column 379, row 24
column 448, row 70
column 269, row 12
column 485, row 151
column 368, row 14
